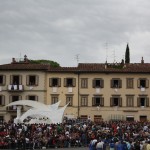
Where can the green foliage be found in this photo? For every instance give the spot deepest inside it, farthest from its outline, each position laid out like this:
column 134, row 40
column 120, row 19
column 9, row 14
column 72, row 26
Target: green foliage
column 127, row 55
column 42, row 61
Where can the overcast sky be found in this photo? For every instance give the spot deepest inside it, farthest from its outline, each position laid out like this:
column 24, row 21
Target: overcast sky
column 61, row 30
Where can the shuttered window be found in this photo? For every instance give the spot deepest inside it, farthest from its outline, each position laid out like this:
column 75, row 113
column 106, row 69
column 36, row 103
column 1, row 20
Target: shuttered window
column 98, row 82
column 69, row 82
column 84, row 101
column 2, row 100
column 84, row 83
column 69, row 100
column 54, row 82
column 116, row 101
column 32, row 97
column 15, row 79
column 116, row 83
column 14, row 98
column 2, row 79
column 97, row 101
column 129, row 83
column 129, row 100
column 143, row 82
column 32, row 80
column 143, row 101
column 54, row 99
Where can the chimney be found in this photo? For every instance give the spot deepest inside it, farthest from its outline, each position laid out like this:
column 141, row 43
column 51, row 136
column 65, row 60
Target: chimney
column 142, row 61
column 25, row 58
column 106, row 65
column 13, row 60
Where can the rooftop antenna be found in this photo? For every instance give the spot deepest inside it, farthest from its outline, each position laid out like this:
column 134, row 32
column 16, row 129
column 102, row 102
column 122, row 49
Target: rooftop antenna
column 20, row 56
column 77, row 58
column 114, row 54
column 106, row 47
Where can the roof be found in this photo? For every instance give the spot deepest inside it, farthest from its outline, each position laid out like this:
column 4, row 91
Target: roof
column 83, row 67
column 115, row 68
column 24, row 66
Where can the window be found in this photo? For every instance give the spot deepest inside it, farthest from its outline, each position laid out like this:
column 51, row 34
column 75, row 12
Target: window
column 84, row 100
column 142, row 82
column 54, row 99
column 2, row 80
column 116, row 83
column 32, row 97
column 14, row 98
column 69, row 99
column 129, row 100
column 97, row 118
column 54, row 82
column 69, row 82
column 83, row 117
column 98, row 83
column 116, row 101
column 97, row 101
column 32, row 80
column 15, row 79
column 129, row 83
column 2, row 100
column 84, row 83
column 143, row 101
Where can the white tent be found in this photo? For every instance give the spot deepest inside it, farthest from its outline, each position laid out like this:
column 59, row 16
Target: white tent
column 51, row 112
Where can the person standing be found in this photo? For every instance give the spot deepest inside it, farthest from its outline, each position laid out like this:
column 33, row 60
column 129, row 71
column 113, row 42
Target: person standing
column 148, row 146
column 99, row 145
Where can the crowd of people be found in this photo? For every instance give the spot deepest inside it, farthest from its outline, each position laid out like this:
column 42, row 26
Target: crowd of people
column 112, row 135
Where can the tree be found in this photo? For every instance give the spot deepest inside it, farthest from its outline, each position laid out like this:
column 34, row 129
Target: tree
column 43, row 61
column 127, row 55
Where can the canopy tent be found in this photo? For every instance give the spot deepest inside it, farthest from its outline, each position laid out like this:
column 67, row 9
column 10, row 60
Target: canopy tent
column 51, row 112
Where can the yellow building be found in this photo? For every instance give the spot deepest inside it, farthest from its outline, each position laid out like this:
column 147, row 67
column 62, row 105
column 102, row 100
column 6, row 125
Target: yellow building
column 100, row 91
column 21, row 80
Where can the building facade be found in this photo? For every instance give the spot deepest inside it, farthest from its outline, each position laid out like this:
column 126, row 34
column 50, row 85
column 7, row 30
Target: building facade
column 100, row 91
column 21, row 80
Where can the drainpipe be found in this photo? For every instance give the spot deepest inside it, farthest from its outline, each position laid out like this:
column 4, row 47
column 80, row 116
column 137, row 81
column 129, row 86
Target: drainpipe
column 78, row 97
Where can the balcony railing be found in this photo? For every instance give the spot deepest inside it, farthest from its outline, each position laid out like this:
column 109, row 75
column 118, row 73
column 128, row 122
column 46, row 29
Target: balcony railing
column 15, row 87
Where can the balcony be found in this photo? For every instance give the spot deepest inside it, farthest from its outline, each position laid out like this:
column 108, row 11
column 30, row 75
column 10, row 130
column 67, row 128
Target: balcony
column 13, row 108
column 15, row 88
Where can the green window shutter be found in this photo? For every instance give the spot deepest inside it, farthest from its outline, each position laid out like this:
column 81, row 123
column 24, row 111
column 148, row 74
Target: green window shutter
column 11, row 79
column 65, row 82
column 147, row 102
column 147, row 83
column 111, row 102
column 36, row 98
column 93, row 101
column 20, row 79
column 94, row 83
column 102, row 101
column 138, row 83
column 74, row 82
column 3, row 100
column 20, row 97
column 111, row 83
column 138, row 102
column 50, row 82
column 27, row 80
column 120, row 102
column 4, row 80
column 102, row 83
column 120, row 83
column 59, row 82
column 36, row 80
